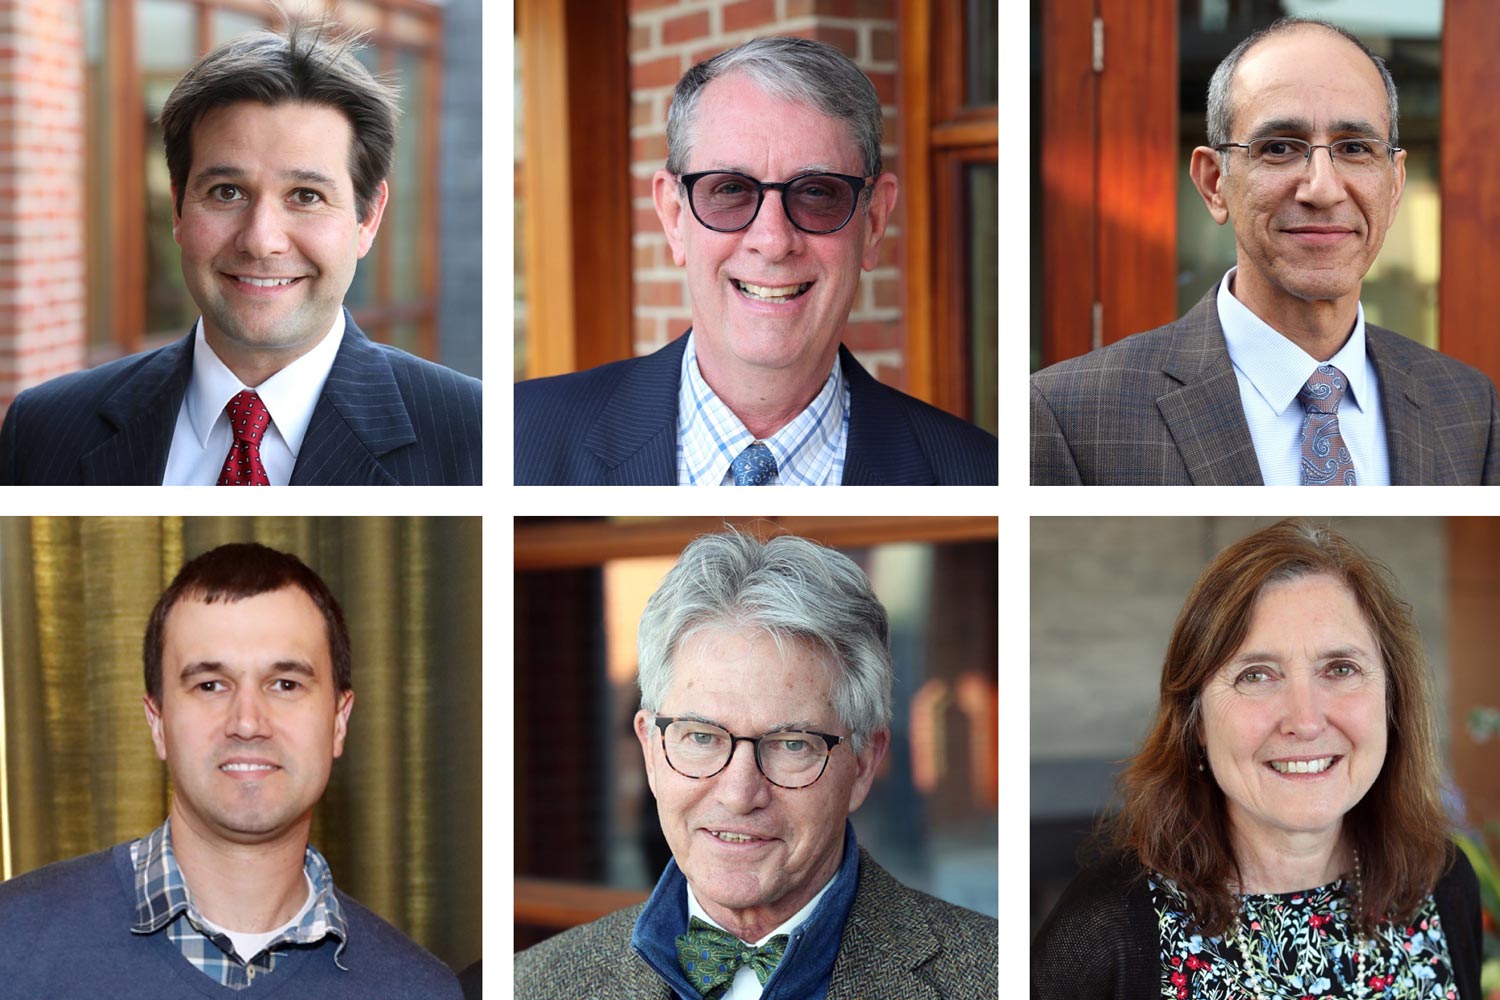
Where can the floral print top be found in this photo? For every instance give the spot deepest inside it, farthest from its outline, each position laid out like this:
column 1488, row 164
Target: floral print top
column 1301, row 948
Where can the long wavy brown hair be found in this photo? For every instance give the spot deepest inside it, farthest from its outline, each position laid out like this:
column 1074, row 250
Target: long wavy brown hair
column 1173, row 815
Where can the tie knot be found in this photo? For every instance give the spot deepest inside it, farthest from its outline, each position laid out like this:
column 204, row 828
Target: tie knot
column 755, row 466
column 248, row 416
column 1324, row 390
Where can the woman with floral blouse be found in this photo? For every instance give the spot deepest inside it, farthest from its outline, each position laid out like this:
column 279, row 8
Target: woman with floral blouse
column 1280, row 833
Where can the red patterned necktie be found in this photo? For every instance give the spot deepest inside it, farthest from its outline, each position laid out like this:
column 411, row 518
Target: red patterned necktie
column 248, row 419
column 1325, row 456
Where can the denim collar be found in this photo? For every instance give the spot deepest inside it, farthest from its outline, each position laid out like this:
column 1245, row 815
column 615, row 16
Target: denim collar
column 806, row 968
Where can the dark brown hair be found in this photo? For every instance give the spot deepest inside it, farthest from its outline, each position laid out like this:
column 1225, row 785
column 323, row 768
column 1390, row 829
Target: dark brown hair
column 232, row 573
column 309, row 64
column 1173, row 816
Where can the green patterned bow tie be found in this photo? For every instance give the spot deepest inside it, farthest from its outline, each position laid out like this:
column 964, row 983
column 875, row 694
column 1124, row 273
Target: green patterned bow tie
column 710, row 957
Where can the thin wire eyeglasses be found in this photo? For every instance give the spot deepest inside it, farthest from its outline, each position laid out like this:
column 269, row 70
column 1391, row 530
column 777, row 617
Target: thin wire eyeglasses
column 815, row 203
column 1282, row 153
column 786, row 759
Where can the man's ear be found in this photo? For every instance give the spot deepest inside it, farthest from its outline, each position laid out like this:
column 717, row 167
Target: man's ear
column 153, row 719
column 878, row 217
column 345, row 705
column 176, row 217
column 866, row 765
column 1209, row 176
column 373, row 212
column 645, row 725
column 672, row 210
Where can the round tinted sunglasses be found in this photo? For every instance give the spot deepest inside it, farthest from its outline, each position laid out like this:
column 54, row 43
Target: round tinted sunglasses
column 727, row 202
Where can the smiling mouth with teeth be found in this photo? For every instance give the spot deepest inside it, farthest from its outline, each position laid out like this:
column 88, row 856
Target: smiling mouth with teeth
column 247, row 767
column 1317, row 766
column 264, row 282
column 734, row 838
column 767, row 293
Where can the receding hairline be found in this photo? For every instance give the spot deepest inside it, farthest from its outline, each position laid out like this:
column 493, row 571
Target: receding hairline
column 1292, row 30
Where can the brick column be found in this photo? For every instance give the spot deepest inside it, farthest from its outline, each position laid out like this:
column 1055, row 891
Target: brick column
column 42, row 290
column 666, row 39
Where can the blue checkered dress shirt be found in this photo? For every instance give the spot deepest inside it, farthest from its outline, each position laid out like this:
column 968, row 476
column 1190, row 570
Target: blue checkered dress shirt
column 809, row 451
column 163, row 901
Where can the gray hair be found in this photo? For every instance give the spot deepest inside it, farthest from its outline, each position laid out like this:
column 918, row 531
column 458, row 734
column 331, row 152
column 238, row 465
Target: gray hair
column 790, row 588
column 791, row 69
column 1220, row 115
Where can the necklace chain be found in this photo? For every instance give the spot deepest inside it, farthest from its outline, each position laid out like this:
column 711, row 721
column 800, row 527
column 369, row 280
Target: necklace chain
column 1254, row 979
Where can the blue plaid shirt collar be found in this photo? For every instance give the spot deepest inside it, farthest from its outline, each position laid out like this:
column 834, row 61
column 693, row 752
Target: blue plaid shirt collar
column 809, row 451
column 163, row 900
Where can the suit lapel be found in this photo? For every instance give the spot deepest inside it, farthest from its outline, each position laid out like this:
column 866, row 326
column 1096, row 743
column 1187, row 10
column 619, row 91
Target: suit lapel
column 1205, row 415
column 143, row 411
column 879, row 433
column 879, row 929
column 360, row 417
column 1409, row 434
column 635, row 435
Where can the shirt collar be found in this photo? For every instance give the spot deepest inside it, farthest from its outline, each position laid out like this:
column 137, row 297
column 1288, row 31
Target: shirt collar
column 162, row 894
column 814, row 938
column 712, row 436
column 290, row 395
column 695, row 909
column 1276, row 366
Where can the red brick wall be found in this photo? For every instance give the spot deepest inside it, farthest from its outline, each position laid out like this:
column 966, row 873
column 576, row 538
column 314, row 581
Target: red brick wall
column 41, row 192
column 669, row 36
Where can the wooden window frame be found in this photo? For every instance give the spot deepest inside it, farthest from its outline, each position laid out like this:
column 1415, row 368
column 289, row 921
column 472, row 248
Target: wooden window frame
column 939, row 136
column 127, row 235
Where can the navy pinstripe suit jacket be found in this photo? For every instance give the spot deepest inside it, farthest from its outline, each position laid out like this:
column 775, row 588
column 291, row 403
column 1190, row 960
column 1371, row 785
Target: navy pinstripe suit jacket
column 616, row 425
column 385, row 418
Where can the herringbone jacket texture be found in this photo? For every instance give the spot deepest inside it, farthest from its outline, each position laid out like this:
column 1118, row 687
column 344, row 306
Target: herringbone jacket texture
column 1163, row 408
column 898, row 944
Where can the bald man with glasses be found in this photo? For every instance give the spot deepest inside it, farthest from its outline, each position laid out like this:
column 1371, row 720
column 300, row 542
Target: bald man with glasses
column 1274, row 377
column 773, row 201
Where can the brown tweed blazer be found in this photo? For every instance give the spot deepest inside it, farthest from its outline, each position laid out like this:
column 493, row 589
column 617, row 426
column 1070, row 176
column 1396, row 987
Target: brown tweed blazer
column 1162, row 408
column 898, row 944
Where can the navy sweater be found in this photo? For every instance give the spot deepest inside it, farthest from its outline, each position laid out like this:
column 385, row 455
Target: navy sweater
column 65, row 935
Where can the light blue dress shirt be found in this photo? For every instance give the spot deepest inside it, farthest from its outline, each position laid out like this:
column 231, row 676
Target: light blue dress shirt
column 1271, row 371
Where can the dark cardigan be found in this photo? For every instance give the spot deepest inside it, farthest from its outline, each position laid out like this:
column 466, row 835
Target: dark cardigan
column 1101, row 941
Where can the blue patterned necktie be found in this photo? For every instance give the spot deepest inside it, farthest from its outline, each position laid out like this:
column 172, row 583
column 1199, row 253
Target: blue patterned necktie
column 1325, row 456
column 755, row 466
column 710, row 957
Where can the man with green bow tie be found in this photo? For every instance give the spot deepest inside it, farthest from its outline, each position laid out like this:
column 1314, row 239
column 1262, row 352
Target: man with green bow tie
column 765, row 675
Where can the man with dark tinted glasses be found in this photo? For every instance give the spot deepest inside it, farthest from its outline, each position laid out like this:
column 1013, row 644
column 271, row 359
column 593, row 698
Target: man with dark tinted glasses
column 765, row 674
column 1275, row 377
column 773, row 200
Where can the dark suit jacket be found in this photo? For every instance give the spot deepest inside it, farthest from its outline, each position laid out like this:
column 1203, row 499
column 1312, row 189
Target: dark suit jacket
column 385, row 418
column 1163, row 409
column 616, row 425
column 898, row 944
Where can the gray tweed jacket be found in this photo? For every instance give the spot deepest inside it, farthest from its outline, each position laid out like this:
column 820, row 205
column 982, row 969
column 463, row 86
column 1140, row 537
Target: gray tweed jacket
column 898, row 944
column 1162, row 408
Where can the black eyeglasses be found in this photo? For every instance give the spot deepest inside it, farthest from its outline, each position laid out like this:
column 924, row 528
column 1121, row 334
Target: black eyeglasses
column 788, row 759
column 727, row 202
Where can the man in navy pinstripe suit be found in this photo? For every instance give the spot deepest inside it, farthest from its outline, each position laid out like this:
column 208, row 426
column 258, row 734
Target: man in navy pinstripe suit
column 278, row 147
column 773, row 200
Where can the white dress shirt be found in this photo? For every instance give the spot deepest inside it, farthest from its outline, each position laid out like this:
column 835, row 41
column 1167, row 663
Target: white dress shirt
column 202, row 438
column 809, row 450
column 746, row 986
column 1272, row 369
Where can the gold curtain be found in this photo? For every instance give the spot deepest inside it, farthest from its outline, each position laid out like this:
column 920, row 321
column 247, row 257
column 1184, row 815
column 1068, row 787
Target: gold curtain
column 400, row 821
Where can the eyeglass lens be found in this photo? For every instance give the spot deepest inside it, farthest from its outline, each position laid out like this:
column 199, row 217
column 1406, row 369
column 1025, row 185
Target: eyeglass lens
column 1349, row 154
column 816, row 203
column 789, row 759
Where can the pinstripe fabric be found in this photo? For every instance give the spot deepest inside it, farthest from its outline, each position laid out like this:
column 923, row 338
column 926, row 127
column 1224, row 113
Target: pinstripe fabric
column 384, row 418
column 898, row 944
column 1163, row 408
column 616, row 425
